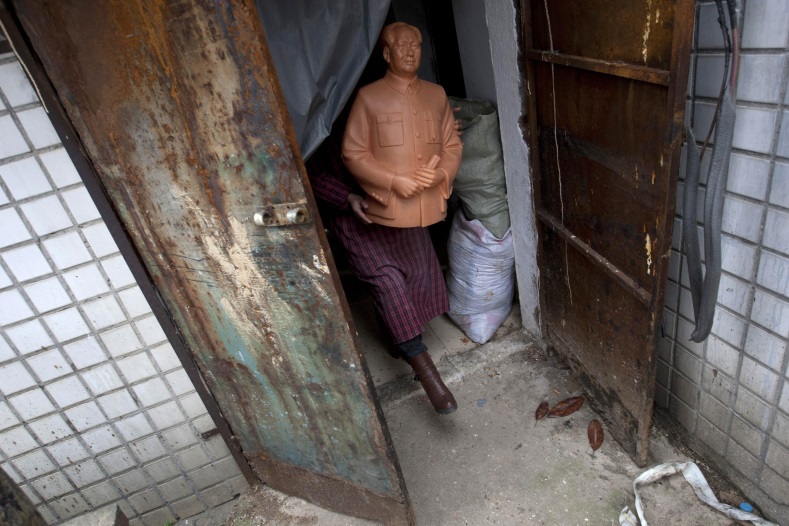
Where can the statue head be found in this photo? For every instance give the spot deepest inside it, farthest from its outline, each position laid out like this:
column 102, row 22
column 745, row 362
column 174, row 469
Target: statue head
column 402, row 48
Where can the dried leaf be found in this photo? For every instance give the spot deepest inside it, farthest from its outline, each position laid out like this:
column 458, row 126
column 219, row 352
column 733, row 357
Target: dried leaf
column 542, row 410
column 566, row 407
column 595, row 434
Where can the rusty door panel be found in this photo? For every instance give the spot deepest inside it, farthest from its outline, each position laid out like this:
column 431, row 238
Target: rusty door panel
column 179, row 109
column 635, row 33
column 606, row 81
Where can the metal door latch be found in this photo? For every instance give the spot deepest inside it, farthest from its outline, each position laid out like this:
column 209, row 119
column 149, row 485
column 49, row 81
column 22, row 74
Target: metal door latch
column 282, row 215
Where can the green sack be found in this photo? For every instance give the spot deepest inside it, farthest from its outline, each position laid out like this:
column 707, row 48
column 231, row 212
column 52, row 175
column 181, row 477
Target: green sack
column 480, row 183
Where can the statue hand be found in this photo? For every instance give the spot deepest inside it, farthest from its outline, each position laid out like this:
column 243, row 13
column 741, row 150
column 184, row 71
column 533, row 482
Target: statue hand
column 428, row 178
column 405, row 187
column 358, row 205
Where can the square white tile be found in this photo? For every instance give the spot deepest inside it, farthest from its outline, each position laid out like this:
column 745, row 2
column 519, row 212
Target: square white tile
column 27, row 262
column 29, row 337
column 7, row 418
column 104, row 312
column 118, row 271
column 85, row 352
column 67, row 452
column 102, row 379
column 49, row 365
column 779, row 194
column 165, row 357
column 3, row 198
column 180, row 382
column 13, row 143
column 117, row 461
column 46, row 215
column 15, row 85
column 86, row 282
column 31, row 404
column 775, row 231
column 60, row 168
column 166, row 415
column 67, row 250
column 100, row 239
column 150, row 330
column 53, row 486
column 34, row 464
column 193, row 405
column 152, row 392
column 67, row 392
column 15, row 378
column 134, row 427
column 51, row 429
column 24, row 178
column 6, row 352
column 66, row 325
column 148, row 449
column 14, row 309
column 12, row 229
column 38, row 127
column 85, row 416
column 135, row 302
column 771, row 312
column 17, row 441
column 85, row 473
column 137, row 367
column 117, row 404
column 121, row 340
column 81, row 205
column 47, row 295
column 5, row 281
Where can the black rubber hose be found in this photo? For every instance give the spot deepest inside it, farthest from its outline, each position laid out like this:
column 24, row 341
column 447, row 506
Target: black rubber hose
column 713, row 217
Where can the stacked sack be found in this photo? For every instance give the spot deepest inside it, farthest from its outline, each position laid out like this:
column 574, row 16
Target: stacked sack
column 481, row 276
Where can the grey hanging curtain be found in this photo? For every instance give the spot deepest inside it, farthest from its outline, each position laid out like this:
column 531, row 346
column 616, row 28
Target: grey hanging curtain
column 319, row 48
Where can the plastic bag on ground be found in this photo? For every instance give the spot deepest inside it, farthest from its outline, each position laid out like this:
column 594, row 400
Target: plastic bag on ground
column 481, row 278
column 701, row 488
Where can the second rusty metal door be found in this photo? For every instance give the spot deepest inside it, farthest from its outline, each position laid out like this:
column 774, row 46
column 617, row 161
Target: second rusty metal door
column 606, row 89
column 178, row 108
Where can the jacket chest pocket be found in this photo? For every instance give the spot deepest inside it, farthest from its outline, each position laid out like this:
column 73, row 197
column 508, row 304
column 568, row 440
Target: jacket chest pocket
column 432, row 127
column 390, row 129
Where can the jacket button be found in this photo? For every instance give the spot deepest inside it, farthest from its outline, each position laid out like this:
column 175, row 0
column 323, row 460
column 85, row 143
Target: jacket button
column 419, row 156
column 418, row 136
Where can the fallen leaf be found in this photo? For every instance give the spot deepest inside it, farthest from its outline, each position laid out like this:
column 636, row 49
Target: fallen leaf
column 595, row 434
column 542, row 410
column 566, row 407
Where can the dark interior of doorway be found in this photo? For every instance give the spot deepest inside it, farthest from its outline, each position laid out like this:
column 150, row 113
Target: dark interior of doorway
column 440, row 64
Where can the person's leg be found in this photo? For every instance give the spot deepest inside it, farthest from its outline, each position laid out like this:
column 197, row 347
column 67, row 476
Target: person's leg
column 415, row 353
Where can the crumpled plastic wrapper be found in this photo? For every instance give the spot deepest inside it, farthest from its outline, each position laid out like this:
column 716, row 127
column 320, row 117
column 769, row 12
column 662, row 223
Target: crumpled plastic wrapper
column 693, row 475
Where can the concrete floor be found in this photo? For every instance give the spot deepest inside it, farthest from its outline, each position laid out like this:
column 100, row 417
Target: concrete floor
column 490, row 462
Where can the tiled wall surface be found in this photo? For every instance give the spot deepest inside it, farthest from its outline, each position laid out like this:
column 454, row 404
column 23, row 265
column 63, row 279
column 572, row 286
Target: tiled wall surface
column 732, row 391
column 95, row 407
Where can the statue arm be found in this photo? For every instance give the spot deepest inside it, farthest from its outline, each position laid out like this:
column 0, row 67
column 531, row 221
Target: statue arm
column 374, row 178
column 451, row 150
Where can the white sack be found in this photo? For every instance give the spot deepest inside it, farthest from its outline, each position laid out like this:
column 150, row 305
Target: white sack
column 481, row 278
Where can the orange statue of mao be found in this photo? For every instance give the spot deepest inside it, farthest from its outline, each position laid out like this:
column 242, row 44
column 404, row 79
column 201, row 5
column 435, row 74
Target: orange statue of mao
column 400, row 142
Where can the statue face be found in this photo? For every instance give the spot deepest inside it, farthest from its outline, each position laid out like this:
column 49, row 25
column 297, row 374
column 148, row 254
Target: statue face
column 404, row 53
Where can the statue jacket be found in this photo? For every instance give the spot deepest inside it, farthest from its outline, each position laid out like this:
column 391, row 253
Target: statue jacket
column 395, row 127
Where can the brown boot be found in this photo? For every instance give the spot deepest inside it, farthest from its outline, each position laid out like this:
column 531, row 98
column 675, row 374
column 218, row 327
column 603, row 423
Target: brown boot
column 438, row 393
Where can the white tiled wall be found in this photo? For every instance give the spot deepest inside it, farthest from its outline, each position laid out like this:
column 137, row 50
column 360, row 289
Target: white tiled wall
column 732, row 391
column 95, row 407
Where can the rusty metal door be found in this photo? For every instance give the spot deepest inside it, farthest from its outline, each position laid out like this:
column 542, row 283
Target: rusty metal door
column 178, row 108
column 606, row 89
